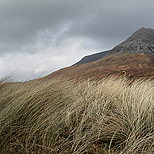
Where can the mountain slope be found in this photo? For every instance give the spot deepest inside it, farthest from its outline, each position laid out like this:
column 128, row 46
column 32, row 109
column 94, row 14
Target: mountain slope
column 135, row 65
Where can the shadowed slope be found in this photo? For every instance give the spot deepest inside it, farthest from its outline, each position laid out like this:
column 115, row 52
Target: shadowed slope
column 91, row 58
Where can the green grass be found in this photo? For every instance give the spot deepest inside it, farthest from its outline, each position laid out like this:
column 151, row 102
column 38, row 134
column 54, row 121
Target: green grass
column 91, row 117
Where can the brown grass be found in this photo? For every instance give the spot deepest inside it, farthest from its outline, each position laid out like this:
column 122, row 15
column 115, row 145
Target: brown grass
column 61, row 116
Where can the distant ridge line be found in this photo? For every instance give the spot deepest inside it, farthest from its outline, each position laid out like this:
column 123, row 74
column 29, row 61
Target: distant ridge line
column 91, row 58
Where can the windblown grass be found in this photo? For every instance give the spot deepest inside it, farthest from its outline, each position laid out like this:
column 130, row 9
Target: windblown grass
column 60, row 116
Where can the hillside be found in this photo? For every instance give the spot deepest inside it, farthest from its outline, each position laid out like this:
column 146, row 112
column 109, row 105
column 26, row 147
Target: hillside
column 136, row 66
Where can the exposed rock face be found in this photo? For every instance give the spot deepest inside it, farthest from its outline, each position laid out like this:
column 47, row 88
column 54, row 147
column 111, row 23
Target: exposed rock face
column 139, row 42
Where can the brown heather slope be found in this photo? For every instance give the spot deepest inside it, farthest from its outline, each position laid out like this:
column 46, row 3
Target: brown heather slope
column 136, row 66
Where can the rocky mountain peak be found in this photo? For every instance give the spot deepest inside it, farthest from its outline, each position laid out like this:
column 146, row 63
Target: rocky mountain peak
column 140, row 41
column 142, row 35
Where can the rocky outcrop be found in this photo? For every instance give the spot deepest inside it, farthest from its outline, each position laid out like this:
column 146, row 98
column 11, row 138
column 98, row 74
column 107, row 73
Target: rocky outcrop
column 139, row 42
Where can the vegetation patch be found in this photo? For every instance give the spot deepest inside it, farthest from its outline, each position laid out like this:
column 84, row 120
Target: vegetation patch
column 61, row 116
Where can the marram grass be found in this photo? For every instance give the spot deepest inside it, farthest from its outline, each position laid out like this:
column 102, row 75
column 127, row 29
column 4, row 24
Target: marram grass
column 91, row 117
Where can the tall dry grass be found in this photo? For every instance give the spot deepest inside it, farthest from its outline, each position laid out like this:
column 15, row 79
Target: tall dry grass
column 60, row 116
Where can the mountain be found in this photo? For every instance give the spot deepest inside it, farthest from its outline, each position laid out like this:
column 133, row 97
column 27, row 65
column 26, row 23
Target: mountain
column 135, row 56
column 140, row 41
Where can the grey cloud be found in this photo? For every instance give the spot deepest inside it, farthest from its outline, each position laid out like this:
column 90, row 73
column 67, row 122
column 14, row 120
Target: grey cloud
column 22, row 22
column 114, row 21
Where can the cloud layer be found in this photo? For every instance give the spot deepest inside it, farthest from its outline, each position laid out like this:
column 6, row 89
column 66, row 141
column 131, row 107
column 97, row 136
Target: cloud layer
column 43, row 36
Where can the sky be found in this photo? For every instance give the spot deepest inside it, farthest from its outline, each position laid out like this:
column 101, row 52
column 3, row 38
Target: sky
column 38, row 37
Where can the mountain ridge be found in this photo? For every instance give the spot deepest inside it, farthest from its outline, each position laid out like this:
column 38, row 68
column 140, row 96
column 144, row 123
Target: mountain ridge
column 91, row 58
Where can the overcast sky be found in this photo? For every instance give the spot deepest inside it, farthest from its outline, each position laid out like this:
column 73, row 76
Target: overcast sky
column 38, row 37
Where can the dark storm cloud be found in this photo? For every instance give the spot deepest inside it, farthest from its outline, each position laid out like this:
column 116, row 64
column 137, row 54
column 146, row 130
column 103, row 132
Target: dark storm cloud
column 26, row 23
column 22, row 22
column 114, row 21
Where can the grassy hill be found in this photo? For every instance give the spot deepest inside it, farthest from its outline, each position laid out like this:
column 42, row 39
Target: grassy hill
column 89, row 117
